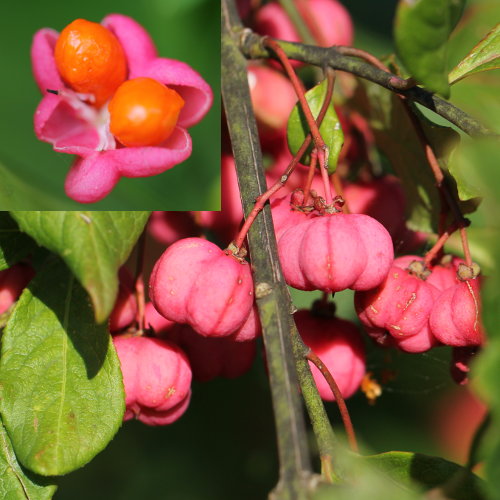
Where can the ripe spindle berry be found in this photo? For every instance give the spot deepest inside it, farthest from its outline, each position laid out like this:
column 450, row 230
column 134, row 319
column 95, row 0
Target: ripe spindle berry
column 339, row 345
column 455, row 318
column 335, row 252
column 90, row 60
column 157, row 379
column 214, row 357
column 227, row 357
column 399, row 307
column 197, row 283
column 144, row 112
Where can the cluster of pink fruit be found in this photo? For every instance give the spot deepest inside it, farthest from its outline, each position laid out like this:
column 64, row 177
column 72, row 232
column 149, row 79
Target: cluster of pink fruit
column 203, row 295
column 207, row 328
column 203, row 303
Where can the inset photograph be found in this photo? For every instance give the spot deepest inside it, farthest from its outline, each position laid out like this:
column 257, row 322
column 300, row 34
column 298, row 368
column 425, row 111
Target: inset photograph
column 113, row 106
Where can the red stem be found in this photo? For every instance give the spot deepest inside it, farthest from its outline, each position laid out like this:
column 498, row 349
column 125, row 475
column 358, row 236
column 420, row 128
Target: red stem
column 433, row 252
column 319, row 143
column 465, row 246
column 402, row 84
column 326, row 184
column 261, row 200
column 310, row 176
column 344, row 413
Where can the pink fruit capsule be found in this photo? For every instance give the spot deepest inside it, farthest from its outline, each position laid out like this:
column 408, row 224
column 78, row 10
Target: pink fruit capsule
column 335, row 252
column 228, row 357
column 400, row 306
column 333, row 22
column 197, row 283
column 157, row 379
column 214, row 357
column 339, row 345
column 285, row 215
column 455, row 317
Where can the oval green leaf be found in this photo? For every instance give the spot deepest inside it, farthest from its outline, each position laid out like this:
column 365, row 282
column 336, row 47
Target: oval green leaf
column 411, row 469
column 484, row 56
column 331, row 131
column 62, row 395
column 421, row 31
column 93, row 245
column 16, row 483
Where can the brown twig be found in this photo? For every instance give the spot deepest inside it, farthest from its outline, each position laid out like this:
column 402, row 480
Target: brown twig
column 344, row 413
column 252, row 47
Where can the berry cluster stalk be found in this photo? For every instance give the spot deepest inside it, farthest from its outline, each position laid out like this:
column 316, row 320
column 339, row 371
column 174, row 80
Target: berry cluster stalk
column 262, row 199
column 319, row 143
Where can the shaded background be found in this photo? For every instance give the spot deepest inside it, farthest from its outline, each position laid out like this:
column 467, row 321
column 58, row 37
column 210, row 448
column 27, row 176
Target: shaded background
column 224, row 446
column 188, row 30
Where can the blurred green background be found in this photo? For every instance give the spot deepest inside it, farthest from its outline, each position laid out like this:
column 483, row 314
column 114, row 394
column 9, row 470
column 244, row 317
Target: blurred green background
column 224, row 446
column 32, row 174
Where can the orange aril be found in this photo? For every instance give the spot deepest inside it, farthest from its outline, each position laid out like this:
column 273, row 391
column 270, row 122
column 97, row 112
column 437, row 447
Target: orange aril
column 144, row 112
column 90, row 60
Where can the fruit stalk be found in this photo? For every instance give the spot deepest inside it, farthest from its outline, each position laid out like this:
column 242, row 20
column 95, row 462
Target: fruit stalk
column 344, row 413
column 319, row 143
column 261, row 200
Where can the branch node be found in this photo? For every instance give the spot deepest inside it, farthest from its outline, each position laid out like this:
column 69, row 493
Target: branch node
column 262, row 290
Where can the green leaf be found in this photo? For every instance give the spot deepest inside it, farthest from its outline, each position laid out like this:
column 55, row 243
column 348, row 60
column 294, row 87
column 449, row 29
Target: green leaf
column 478, row 93
column 14, row 245
column 62, row 392
column 421, row 31
column 331, row 131
column 484, row 56
column 365, row 483
column 455, row 482
column 16, row 483
column 93, row 245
